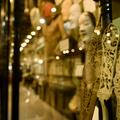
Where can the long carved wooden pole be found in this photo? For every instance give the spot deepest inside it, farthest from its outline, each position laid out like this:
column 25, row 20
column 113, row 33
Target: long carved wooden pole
column 108, row 58
column 4, row 57
column 18, row 16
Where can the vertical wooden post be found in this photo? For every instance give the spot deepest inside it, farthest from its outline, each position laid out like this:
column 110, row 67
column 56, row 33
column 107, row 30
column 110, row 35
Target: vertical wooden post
column 106, row 12
column 18, row 15
column 4, row 57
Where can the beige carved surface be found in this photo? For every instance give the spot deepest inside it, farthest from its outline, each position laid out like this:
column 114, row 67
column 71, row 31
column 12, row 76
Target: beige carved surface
column 90, row 85
column 110, row 42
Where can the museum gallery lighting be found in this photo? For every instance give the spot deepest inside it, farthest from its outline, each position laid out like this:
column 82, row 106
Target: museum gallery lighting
column 27, row 40
column 80, row 48
column 57, row 57
column 42, row 21
column 38, row 28
column 72, row 50
column 66, row 52
column 33, row 33
column 23, row 44
column 40, row 61
column 21, row 49
column 29, row 37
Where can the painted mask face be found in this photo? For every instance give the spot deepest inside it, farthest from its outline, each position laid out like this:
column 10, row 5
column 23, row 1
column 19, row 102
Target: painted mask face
column 86, row 26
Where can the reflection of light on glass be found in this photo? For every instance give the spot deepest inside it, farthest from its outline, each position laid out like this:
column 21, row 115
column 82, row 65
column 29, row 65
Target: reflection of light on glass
column 21, row 49
column 42, row 20
column 72, row 50
column 53, row 9
column 108, row 34
column 40, row 61
column 108, row 41
column 37, row 76
column 23, row 44
column 25, row 59
column 29, row 36
column 57, row 57
column 80, row 48
column 27, row 100
column 36, row 59
column 11, row 54
column 11, row 1
column 33, row 33
column 97, row 32
column 3, row 23
column 67, row 51
column 107, row 4
column 12, row 44
column 10, row 67
column 12, row 50
column 38, row 28
column 108, row 9
column 27, row 40
column 117, row 35
column 64, row 52
column 26, row 10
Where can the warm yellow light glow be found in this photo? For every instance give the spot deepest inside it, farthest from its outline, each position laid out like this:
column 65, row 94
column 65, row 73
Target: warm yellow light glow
column 27, row 40
column 38, row 28
column 10, row 67
column 21, row 49
column 53, row 9
column 37, row 76
column 12, row 44
column 11, row 1
column 80, row 48
column 57, row 57
column 117, row 35
column 97, row 32
column 67, row 51
column 108, row 34
column 26, row 10
column 40, row 61
column 64, row 52
column 36, row 59
column 23, row 44
column 42, row 20
column 33, row 33
column 108, row 41
column 72, row 50
column 25, row 59
column 27, row 100
column 29, row 36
